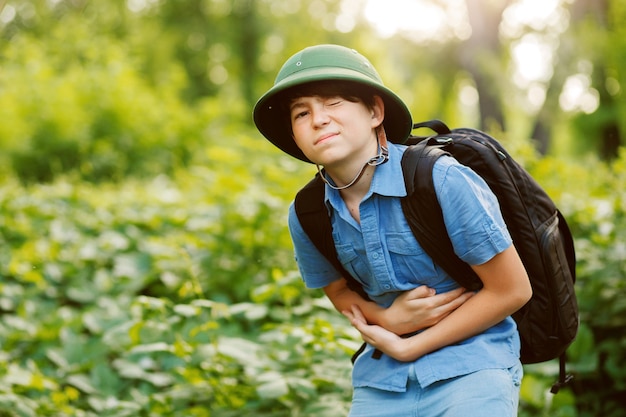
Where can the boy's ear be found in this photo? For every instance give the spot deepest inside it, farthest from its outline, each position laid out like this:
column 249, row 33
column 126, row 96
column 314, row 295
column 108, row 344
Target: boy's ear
column 378, row 111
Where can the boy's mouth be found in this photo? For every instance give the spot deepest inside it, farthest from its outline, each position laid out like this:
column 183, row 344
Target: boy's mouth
column 325, row 137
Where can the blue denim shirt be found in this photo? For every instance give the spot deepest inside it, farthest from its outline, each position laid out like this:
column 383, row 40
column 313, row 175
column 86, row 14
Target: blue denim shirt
column 382, row 253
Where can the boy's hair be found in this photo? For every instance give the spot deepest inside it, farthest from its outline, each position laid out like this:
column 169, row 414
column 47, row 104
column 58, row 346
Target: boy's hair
column 350, row 91
column 347, row 90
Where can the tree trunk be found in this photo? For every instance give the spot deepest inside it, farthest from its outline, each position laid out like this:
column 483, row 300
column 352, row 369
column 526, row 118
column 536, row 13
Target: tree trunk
column 481, row 58
column 606, row 116
column 248, row 46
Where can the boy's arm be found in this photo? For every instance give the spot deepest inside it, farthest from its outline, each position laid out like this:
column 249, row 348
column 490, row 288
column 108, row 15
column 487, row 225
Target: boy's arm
column 413, row 310
column 506, row 289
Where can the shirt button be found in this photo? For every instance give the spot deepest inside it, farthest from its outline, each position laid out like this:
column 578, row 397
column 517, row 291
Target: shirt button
column 375, row 255
column 387, row 286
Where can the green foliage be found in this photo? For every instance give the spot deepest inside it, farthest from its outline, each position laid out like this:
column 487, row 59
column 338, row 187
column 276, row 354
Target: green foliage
column 178, row 295
column 93, row 115
column 162, row 297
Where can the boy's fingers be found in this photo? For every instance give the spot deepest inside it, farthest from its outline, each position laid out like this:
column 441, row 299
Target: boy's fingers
column 452, row 298
column 420, row 292
column 354, row 315
column 458, row 299
column 356, row 312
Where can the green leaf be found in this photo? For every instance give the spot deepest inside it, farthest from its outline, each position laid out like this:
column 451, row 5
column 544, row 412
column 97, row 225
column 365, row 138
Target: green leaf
column 21, row 406
column 239, row 349
column 151, row 348
column 82, row 382
column 251, row 311
column 276, row 387
column 533, row 390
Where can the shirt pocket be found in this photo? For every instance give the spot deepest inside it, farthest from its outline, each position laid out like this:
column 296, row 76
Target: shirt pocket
column 353, row 263
column 409, row 261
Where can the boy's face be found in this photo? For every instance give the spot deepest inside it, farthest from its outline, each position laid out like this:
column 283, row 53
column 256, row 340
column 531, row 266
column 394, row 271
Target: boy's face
column 332, row 131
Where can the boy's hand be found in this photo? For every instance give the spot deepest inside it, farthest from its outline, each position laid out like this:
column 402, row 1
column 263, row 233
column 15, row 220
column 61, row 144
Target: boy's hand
column 420, row 308
column 384, row 340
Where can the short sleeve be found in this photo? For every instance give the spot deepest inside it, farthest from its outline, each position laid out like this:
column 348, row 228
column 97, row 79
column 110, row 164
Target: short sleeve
column 471, row 212
column 316, row 270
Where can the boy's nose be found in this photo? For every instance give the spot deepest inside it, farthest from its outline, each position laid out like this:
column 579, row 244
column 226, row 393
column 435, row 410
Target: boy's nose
column 320, row 116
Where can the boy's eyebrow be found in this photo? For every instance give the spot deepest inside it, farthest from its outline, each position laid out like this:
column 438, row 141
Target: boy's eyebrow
column 295, row 103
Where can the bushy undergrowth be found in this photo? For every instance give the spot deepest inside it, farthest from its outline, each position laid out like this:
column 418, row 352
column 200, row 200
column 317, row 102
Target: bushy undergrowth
column 86, row 108
column 179, row 295
column 163, row 297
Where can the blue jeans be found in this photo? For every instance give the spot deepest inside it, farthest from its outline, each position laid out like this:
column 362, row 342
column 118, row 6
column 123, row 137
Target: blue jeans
column 486, row 393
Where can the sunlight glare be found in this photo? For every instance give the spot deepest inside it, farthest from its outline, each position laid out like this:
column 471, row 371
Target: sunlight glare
column 578, row 95
column 468, row 95
column 532, row 58
column 346, row 21
column 419, row 19
column 534, row 14
column 7, row 14
column 138, row 6
column 536, row 96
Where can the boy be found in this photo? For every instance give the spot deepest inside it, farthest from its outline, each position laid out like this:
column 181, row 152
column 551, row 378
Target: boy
column 329, row 106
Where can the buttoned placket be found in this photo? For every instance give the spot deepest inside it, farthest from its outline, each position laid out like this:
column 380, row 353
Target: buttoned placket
column 374, row 249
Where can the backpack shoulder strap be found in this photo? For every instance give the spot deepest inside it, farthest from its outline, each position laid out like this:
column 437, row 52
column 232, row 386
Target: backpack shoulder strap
column 424, row 215
column 313, row 217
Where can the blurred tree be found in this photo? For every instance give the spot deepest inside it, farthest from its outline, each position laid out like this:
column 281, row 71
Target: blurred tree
column 543, row 125
column 598, row 27
column 200, row 40
column 247, row 45
column 479, row 56
column 232, row 50
column 584, row 86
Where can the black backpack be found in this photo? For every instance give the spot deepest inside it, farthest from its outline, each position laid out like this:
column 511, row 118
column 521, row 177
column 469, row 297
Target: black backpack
column 548, row 323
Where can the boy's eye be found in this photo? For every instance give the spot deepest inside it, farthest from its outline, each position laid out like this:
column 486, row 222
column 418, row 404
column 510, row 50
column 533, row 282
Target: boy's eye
column 300, row 114
column 334, row 102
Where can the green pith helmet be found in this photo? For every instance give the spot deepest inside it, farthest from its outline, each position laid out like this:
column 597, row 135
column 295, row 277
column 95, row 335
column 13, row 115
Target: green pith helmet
column 326, row 63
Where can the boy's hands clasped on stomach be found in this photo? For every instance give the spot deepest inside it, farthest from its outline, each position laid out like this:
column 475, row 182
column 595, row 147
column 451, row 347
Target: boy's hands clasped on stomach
column 420, row 308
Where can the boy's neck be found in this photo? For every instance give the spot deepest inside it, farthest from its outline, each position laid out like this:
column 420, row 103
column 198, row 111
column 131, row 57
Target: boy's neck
column 361, row 187
column 353, row 196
